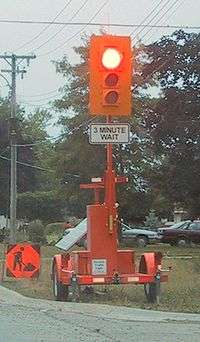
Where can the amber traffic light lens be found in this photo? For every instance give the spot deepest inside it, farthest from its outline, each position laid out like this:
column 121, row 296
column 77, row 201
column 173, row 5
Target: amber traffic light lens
column 111, row 58
column 111, row 97
column 111, row 80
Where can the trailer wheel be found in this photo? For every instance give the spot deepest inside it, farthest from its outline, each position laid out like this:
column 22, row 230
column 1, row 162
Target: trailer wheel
column 60, row 291
column 74, row 293
column 141, row 241
column 182, row 242
column 152, row 292
column 173, row 243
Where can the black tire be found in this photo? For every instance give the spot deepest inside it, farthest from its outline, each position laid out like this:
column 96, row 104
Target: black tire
column 60, row 291
column 152, row 292
column 182, row 242
column 173, row 243
column 75, row 292
column 141, row 241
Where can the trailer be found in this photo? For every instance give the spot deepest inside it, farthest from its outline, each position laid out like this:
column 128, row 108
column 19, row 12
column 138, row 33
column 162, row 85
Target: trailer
column 103, row 263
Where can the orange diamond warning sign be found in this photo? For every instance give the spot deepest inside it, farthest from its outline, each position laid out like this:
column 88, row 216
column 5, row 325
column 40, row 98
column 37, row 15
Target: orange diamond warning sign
column 23, row 261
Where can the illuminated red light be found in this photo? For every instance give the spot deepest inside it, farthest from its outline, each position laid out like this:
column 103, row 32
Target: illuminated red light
column 111, row 58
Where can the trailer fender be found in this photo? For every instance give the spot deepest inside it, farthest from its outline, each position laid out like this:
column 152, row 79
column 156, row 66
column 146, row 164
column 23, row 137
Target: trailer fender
column 150, row 263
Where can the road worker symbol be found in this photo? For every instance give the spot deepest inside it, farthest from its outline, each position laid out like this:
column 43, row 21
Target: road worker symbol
column 23, row 261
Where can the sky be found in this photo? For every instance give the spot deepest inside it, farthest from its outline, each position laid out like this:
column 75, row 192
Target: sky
column 51, row 42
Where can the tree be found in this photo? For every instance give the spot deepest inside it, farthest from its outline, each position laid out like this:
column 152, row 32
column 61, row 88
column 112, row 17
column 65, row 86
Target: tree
column 36, row 232
column 5, row 152
column 173, row 121
column 29, row 130
column 152, row 220
column 44, row 205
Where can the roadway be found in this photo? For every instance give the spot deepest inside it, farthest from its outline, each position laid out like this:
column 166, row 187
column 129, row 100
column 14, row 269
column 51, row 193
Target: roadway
column 25, row 319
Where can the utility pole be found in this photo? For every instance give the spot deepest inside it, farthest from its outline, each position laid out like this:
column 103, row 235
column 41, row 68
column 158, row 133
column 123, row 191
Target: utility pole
column 12, row 60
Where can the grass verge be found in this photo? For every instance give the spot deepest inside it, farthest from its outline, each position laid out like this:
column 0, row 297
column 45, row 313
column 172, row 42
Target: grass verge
column 180, row 294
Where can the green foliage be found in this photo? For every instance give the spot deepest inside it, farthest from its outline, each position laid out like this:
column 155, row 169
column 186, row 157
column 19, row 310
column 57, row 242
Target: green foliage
column 45, row 205
column 36, row 232
column 29, row 129
column 5, row 152
column 152, row 220
column 173, row 121
column 134, row 206
column 54, row 231
column 56, row 227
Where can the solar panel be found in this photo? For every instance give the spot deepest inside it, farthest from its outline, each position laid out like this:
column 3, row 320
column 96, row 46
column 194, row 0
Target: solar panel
column 73, row 237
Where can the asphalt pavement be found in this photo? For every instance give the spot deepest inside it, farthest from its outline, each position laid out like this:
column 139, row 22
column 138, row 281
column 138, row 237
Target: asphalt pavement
column 25, row 319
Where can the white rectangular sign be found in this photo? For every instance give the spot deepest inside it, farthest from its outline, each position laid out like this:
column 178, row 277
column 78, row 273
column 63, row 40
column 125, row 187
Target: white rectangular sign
column 99, row 266
column 109, row 133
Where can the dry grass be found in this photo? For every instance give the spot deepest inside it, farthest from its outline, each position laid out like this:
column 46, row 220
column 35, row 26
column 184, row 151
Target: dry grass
column 180, row 294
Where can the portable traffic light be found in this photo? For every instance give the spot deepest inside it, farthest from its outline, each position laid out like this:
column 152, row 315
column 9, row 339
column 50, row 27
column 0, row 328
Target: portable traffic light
column 110, row 75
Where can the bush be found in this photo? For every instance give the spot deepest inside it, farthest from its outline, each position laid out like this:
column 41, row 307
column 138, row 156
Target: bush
column 36, row 232
column 152, row 220
column 47, row 205
column 56, row 227
column 54, row 232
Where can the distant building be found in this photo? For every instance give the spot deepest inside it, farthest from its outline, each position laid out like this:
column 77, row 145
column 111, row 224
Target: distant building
column 5, row 222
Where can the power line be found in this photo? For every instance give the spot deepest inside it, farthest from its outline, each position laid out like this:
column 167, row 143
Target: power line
column 7, row 21
column 77, row 33
column 82, row 124
column 46, row 27
column 170, row 15
column 28, row 165
column 150, row 21
column 36, row 105
column 38, row 95
column 39, row 168
column 143, row 21
column 62, row 28
column 163, row 15
column 41, row 99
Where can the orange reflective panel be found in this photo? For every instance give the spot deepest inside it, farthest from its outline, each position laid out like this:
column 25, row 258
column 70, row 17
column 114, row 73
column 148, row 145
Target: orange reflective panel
column 23, row 261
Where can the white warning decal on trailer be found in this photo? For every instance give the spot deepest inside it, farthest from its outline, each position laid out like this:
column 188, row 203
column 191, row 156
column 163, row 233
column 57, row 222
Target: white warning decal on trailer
column 99, row 266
